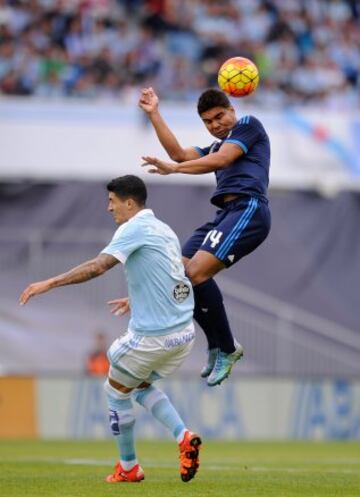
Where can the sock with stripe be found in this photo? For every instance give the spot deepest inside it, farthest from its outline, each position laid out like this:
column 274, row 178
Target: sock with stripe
column 122, row 421
column 216, row 325
column 156, row 402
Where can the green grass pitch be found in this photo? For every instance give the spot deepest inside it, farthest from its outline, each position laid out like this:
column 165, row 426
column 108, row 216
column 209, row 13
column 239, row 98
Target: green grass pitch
column 228, row 469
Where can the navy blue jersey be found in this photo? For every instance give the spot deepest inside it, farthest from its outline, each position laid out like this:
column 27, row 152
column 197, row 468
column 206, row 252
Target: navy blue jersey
column 249, row 174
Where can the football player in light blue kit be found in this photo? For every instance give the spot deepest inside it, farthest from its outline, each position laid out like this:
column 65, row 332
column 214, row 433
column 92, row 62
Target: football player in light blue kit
column 160, row 333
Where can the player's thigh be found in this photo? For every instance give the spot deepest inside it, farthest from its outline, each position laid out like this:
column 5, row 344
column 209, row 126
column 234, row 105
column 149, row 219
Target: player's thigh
column 241, row 230
column 193, row 244
column 132, row 359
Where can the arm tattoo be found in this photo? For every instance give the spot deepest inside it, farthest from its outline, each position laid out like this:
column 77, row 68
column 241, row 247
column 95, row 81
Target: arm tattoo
column 86, row 271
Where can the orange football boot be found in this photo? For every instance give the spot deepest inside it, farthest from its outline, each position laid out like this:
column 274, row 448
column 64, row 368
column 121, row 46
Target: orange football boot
column 135, row 474
column 189, row 455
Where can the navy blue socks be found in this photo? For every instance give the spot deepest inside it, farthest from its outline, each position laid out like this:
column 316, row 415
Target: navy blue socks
column 211, row 315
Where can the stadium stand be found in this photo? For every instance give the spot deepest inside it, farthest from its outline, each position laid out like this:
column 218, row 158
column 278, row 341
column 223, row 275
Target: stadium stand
column 307, row 51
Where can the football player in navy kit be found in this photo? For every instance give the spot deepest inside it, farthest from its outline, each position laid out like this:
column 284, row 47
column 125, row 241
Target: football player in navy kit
column 240, row 159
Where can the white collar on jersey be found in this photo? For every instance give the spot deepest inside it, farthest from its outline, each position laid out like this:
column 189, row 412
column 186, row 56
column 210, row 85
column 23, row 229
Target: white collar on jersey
column 143, row 212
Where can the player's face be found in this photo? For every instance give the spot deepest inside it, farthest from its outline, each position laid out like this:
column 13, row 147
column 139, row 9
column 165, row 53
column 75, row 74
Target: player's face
column 119, row 208
column 219, row 121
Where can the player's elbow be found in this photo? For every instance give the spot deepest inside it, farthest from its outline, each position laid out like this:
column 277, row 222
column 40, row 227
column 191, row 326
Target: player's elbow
column 177, row 157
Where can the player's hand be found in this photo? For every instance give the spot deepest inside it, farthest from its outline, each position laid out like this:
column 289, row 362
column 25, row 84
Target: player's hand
column 148, row 101
column 159, row 166
column 34, row 289
column 120, row 306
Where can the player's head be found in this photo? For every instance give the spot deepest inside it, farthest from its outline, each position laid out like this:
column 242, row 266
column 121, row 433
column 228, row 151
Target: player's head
column 127, row 196
column 216, row 112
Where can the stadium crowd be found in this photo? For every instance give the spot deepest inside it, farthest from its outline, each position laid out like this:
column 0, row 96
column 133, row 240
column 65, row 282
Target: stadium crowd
column 307, row 50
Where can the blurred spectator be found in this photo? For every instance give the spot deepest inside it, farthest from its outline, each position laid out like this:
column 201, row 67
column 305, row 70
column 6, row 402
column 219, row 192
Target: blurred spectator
column 97, row 363
column 307, row 50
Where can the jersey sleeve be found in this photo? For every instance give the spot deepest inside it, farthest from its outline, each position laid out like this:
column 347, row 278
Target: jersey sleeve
column 125, row 241
column 203, row 151
column 245, row 134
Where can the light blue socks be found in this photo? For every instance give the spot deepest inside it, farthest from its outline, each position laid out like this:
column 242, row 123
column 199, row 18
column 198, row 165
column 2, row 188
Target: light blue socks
column 156, row 402
column 122, row 421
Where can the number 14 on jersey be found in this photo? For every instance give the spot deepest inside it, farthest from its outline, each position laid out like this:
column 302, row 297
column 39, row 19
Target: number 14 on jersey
column 214, row 237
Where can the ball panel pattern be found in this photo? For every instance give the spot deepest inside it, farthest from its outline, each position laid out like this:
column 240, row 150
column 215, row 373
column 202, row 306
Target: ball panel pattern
column 238, row 77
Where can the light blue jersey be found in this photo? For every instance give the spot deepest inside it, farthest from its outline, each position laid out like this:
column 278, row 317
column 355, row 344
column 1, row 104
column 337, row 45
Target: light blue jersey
column 161, row 296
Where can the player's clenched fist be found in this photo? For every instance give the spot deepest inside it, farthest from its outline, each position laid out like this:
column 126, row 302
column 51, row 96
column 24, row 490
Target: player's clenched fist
column 148, row 101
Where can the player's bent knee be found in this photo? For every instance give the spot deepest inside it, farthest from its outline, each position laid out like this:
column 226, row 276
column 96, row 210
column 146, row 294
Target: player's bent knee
column 197, row 275
column 116, row 393
column 197, row 279
column 119, row 386
column 202, row 267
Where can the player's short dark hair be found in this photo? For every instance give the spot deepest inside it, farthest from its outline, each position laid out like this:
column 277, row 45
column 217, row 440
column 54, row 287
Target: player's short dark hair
column 129, row 186
column 212, row 98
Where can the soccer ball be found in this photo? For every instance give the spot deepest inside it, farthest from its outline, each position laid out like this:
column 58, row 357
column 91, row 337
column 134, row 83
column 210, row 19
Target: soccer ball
column 238, row 77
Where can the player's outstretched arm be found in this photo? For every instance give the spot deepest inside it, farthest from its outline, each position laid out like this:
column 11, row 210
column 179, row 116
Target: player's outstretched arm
column 149, row 103
column 227, row 154
column 84, row 272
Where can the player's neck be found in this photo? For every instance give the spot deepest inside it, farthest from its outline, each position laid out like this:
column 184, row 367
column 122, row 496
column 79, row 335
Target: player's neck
column 135, row 211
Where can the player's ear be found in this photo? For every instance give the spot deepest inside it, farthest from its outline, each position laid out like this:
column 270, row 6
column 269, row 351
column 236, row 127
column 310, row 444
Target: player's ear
column 131, row 204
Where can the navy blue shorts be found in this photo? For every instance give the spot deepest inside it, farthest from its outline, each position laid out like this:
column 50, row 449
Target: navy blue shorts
column 238, row 228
